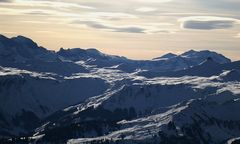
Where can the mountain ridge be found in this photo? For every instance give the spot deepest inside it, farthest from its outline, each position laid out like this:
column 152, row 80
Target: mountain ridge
column 27, row 41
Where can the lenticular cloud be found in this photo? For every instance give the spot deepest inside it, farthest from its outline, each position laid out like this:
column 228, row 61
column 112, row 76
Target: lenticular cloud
column 207, row 22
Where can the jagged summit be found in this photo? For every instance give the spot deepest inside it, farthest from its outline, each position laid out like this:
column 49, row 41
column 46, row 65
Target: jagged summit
column 78, row 51
column 92, row 54
column 76, row 54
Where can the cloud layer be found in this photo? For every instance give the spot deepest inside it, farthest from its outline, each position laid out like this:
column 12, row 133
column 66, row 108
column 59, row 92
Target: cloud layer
column 207, row 22
column 6, row 0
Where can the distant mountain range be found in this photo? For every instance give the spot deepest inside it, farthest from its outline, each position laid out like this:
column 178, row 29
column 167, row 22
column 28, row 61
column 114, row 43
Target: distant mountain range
column 18, row 51
column 85, row 96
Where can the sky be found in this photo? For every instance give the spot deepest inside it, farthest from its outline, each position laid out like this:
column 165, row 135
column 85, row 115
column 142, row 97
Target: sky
column 137, row 29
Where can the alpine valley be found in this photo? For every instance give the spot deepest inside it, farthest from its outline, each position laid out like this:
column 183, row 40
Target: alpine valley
column 79, row 96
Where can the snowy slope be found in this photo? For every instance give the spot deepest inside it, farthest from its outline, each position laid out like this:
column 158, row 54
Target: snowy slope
column 143, row 98
column 41, row 94
column 212, row 118
column 196, row 121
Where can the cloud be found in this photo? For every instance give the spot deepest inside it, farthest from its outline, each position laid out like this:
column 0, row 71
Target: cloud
column 98, row 25
column 45, row 4
column 6, row 1
column 207, row 22
column 37, row 12
column 146, row 9
column 144, row 29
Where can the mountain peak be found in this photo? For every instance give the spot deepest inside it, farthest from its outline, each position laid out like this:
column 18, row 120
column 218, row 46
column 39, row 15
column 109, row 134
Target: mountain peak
column 168, row 55
column 25, row 41
column 93, row 50
column 4, row 40
column 205, row 54
column 190, row 52
column 20, row 37
column 2, row 37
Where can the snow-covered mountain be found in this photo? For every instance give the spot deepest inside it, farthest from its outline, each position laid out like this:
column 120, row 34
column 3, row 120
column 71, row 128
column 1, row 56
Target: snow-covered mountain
column 85, row 96
column 21, row 52
column 204, row 55
column 21, row 49
column 78, row 54
column 25, row 94
column 168, row 62
column 207, row 68
column 196, row 121
column 137, row 112
column 172, row 62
